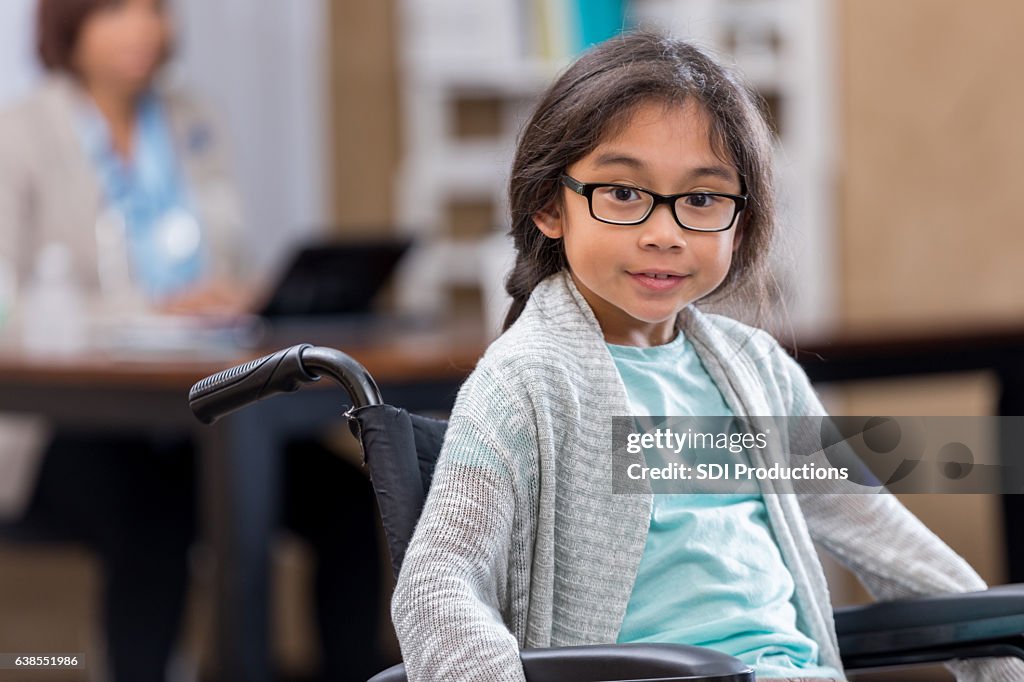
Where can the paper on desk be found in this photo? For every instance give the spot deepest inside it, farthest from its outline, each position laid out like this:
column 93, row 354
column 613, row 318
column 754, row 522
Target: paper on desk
column 147, row 334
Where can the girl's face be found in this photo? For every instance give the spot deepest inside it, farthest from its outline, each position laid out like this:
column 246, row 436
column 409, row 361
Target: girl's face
column 666, row 149
column 122, row 44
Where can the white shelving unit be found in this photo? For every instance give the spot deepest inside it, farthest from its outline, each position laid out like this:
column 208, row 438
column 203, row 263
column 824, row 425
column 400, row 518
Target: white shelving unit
column 464, row 49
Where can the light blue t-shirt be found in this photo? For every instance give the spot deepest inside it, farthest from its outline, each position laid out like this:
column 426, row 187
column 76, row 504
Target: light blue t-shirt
column 711, row 573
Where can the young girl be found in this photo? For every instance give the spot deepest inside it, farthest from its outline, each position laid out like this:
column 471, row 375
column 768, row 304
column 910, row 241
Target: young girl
column 641, row 186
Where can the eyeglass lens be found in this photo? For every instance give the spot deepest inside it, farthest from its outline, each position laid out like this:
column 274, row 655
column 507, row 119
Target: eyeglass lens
column 627, row 205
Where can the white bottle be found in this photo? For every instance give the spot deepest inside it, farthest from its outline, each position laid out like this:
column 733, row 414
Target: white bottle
column 53, row 316
column 120, row 298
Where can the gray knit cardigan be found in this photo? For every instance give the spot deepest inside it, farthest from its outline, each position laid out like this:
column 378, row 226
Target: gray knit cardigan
column 522, row 543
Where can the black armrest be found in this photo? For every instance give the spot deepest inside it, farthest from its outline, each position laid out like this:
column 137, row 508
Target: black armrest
column 620, row 663
column 928, row 629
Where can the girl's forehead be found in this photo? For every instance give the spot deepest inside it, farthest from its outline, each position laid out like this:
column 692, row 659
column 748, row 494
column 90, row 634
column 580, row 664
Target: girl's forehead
column 659, row 138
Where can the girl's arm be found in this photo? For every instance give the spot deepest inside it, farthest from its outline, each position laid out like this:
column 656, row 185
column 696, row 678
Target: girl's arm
column 453, row 588
column 887, row 547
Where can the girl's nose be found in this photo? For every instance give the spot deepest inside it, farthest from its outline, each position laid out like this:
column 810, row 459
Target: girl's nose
column 661, row 231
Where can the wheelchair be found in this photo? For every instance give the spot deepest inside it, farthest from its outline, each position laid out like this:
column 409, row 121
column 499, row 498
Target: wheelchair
column 401, row 450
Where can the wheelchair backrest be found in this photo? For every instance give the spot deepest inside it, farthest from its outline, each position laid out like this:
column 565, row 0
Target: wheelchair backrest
column 401, row 451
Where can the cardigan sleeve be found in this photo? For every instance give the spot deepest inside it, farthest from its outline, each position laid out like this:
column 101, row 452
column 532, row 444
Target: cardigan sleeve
column 889, row 549
column 451, row 591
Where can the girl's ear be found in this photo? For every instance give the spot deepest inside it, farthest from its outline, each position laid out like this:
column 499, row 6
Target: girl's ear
column 549, row 221
column 737, row 238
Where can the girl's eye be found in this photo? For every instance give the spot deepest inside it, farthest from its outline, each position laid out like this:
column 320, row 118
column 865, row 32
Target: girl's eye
column 620, row 194
column 701, row 200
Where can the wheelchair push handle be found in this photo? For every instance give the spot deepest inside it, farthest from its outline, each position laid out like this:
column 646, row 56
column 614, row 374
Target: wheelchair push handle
column 283, row 371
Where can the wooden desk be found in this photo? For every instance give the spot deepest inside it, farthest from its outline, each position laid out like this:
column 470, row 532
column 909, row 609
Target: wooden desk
column 241, row 453
column 847, row 356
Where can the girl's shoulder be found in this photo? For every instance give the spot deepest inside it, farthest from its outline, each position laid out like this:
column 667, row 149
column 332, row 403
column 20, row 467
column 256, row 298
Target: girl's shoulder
column 763, row 356
column 528, row 366
column 522, row 356
column 499, row 402
column 730, row 337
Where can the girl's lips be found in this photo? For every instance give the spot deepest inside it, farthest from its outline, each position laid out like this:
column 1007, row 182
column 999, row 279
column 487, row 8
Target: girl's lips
column 657, row 283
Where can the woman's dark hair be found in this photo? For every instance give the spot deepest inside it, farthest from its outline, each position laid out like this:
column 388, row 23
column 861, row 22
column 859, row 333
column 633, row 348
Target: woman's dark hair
column 58, row 25
column 591, row 101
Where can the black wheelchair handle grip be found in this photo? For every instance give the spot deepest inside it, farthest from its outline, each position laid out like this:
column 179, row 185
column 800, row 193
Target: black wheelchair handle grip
column 281, row 372
column 234, row 388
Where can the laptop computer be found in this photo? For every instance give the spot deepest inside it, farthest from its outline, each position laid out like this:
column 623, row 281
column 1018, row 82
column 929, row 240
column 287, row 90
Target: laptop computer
column 327, row 291
column 333, row 279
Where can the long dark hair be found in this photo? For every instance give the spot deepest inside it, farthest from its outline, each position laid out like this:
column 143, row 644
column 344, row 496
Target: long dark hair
column 591, row 100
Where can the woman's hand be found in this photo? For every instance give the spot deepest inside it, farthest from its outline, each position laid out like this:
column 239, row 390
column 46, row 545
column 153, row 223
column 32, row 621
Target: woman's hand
column 215, row 299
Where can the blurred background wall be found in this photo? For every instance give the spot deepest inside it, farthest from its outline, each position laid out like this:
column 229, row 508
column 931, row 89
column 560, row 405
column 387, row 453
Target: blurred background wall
column 18, row 68
column 930, row 164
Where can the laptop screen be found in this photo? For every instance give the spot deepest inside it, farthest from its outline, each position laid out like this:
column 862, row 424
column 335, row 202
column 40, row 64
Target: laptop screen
column 334, row 278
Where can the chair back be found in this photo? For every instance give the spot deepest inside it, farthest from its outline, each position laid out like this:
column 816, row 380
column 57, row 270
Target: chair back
column 400, row 449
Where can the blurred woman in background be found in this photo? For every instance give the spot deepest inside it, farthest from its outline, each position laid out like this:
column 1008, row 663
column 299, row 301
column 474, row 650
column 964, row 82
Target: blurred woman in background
column 127, row 180
column 102, row 140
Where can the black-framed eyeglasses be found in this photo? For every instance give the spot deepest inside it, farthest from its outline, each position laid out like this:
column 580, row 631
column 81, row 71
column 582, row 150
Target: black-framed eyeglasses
column 628, row 205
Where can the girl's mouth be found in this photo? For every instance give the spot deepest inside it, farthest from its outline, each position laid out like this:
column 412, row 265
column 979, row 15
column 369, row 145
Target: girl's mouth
column 657, row 281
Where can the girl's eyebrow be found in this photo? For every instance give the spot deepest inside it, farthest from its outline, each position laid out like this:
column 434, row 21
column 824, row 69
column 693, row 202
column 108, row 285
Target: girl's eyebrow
column 615, row 158
column 716, row 172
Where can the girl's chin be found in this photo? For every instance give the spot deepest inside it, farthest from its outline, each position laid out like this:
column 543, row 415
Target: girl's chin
column 654, row 315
